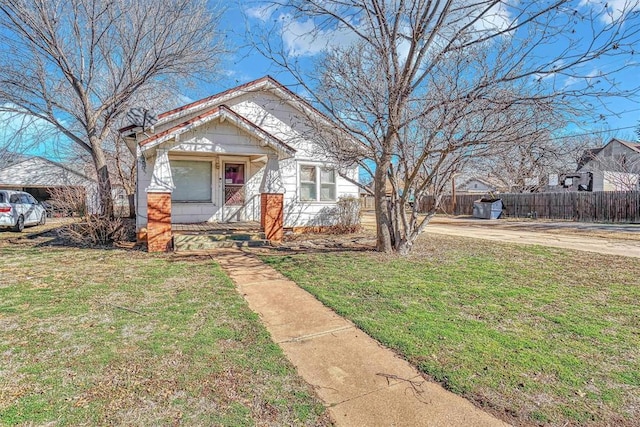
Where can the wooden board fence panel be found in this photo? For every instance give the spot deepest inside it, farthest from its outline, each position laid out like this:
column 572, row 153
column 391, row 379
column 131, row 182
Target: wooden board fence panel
column 601, row 206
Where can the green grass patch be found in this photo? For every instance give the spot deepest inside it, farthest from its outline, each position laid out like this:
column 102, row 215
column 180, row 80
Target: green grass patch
column 541, row 335
column 95, row 337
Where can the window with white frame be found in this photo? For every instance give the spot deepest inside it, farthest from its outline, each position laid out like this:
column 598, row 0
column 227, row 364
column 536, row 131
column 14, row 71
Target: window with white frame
column 317, row 183
column 192, row 181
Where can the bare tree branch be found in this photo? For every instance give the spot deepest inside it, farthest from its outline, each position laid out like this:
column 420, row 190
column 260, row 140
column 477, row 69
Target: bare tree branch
column 429, row 85
column 80, row 64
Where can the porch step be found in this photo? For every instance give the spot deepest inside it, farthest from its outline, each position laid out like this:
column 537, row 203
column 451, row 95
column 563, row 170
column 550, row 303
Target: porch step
column 221, row 235
column 199, row 242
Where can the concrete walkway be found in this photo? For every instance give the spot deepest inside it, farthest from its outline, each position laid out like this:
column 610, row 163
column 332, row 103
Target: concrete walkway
column 361, row 382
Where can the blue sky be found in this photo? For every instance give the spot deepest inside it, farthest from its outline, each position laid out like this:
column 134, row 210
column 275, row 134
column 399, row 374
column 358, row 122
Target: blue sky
column 244, row 64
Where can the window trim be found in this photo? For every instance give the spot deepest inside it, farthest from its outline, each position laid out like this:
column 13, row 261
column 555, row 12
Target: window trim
column 211, row 186
column 318, row 183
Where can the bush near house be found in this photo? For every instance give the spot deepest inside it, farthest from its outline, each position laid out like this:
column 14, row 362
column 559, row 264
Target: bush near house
column 539, row 336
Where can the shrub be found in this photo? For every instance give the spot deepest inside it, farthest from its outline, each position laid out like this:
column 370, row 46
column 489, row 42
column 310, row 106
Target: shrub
column 92, row 229
column 96, row 230
column 68, row 201
column 348, row 213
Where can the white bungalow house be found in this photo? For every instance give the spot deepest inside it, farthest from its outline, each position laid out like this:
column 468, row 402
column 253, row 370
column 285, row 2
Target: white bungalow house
column 246, row 154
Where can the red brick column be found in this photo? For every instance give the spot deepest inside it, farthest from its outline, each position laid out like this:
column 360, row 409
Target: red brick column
column 272, row 216
column 159, row 222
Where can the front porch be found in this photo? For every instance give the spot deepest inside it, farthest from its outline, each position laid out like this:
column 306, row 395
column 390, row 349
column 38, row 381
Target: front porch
column 162, row 232
column 210, row 235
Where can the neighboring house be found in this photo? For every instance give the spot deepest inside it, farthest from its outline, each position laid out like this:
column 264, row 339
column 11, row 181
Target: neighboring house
column 245, row 154
column 614, row 167
column 40, row 177
column 476, row 185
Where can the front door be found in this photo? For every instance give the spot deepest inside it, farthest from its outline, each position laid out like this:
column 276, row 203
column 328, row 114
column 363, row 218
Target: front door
column 233, row 190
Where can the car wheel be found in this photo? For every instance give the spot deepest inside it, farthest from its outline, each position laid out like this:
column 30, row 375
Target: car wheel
column 19, row 224
column 43, row 219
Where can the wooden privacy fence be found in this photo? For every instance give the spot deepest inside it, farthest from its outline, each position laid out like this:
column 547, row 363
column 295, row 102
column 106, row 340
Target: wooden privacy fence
column 600, row 206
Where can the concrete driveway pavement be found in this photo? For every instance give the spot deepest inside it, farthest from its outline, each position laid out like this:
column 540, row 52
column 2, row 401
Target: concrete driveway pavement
column 534, row 234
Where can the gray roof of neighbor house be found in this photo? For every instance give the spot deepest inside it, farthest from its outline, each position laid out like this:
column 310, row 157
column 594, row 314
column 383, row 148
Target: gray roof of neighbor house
column 635, row 146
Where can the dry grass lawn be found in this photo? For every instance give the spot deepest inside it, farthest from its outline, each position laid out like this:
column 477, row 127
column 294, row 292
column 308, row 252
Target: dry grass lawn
column 112, row 337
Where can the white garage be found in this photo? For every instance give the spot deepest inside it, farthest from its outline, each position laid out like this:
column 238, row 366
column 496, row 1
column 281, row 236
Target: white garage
column 42, row 178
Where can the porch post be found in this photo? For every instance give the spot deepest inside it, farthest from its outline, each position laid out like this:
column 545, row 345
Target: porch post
column 159, row 205
column 159, row 222
column 272, row 215
column 272, row 201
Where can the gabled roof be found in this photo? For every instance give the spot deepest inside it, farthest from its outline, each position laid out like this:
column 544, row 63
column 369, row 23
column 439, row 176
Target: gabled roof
column 266, row 82
column 486, row 180
column 24, row 159
column 591, row 153
column 207, row 106
column 215, row 99
column 635, row 146
column 224, row 113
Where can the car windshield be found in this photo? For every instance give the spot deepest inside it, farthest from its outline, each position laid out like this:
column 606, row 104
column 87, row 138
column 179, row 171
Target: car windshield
column 1, row 197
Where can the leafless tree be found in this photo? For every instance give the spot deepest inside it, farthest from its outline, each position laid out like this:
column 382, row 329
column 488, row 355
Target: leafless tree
column 423, row 86
column 524, row 167
column 78, row 64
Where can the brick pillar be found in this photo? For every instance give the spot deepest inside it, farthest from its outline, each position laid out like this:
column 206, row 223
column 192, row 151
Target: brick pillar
column 272, row 216
column 159, row 222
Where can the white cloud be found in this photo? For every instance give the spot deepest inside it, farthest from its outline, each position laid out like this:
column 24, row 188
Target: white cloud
column 304, row 38
column 496, row 19
column 262, row 13
column 589, row 78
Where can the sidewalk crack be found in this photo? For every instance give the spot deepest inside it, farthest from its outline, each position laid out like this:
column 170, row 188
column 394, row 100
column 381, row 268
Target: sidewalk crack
column 317, row 334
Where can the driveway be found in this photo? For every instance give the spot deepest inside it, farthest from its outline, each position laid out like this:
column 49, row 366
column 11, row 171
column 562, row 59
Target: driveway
column 609, row 239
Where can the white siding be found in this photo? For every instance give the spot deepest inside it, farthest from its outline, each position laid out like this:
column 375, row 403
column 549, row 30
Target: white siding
column 218, row 138
column 214, row 139
column 303, row 213
column 610, row 171
column 598, row 181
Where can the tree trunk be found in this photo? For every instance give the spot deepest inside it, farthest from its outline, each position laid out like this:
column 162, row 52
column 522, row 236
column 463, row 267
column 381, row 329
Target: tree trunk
column 104, row 182
column 383, row 222
column 132, row 205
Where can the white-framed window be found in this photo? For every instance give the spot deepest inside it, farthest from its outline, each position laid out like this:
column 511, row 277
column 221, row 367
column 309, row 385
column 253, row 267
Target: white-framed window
column 317, row 183
column 192, row 181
